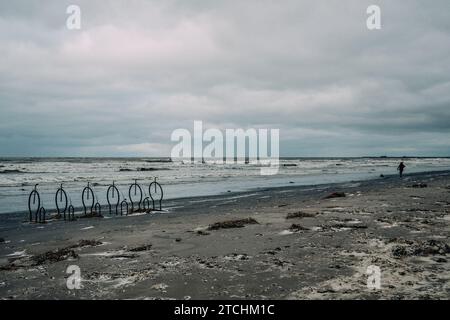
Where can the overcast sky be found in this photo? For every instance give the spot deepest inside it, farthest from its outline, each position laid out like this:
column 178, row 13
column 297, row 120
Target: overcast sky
column 137, row 70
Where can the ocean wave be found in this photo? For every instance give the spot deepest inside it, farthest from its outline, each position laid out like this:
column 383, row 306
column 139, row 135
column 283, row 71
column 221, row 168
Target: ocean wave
column 142, row 169
column 11, row 171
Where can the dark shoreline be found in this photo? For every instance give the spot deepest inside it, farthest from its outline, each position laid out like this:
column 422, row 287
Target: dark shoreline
column 175, row 202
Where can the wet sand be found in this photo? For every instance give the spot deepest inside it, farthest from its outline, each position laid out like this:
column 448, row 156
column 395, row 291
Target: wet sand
column 285, row 243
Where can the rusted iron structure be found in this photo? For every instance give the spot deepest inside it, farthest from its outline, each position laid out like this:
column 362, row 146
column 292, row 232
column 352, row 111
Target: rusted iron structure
column 113, row 193
column 156, row 194
column 137, row 190
column 137, row 200
column 61, row 197
column 85, row 195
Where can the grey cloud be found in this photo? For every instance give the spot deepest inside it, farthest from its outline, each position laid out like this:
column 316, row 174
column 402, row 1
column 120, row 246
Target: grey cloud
column 139, row 69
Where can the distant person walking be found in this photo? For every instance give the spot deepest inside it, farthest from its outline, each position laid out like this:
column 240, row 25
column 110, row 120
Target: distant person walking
column 400, row 168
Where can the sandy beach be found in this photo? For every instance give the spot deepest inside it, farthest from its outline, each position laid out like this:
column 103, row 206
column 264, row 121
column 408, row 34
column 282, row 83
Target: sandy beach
column 280, row 243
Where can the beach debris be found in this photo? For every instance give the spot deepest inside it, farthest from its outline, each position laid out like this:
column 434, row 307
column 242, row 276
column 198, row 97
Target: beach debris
column 10, row 267
column 285, row 232
column 300, row 214
column 124, row 256
column 419, row 185
column 349, row 225
column 160, row 287
column 93, row 214
column 232, row 224
column 54, row 256
column 236, row 257
column 145, row 247
column 421, row 248
column 136, row 211
column 338, row 227
column 297, row 227
column 51, row 256
column 335, row 195
column 281, row 263
column 86, row 243
column 272, row 252
column 64, row 253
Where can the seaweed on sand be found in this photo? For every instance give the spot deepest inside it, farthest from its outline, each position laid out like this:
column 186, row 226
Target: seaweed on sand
column 335, row 195
column 86, row 243
column 300, row 214
column 296, row 227
column 51, row 256
column 54, row 256
column 232, row 224
column 421, row 248
column 145, row 247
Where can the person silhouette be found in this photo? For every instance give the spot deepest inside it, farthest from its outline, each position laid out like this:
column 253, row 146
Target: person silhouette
column 400, row 168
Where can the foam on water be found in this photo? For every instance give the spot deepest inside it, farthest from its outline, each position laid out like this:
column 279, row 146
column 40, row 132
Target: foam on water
column 18, row 176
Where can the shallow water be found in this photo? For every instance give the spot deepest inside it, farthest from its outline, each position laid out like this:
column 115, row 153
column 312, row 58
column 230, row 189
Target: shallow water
column 19, row 175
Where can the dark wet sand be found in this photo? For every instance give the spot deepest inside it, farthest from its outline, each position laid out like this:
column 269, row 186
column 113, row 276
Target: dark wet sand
column 386, row 222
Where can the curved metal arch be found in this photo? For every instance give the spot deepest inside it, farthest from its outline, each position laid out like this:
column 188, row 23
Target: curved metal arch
column 34, row 194
column 146, row 204
column 61, row 192
column 98, row 208
column 136, row 188
column 42, row 213
column 112, row 189
column 88, row 191
column 71, row 212
column 124, row 202
column 156, row 186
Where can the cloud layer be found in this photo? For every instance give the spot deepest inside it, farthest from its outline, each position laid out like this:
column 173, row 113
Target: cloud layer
column 139, row 69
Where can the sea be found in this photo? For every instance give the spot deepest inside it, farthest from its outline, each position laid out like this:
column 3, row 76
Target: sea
column 19, row 176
